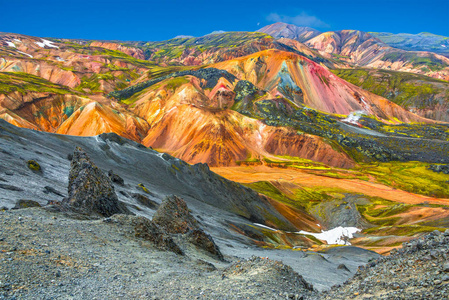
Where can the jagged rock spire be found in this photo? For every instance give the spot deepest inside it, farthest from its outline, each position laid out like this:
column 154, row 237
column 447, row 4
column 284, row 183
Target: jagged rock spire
column 90, row 191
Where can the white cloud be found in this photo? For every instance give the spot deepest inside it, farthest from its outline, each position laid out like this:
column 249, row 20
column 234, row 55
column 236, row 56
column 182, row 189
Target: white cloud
column 303, row 19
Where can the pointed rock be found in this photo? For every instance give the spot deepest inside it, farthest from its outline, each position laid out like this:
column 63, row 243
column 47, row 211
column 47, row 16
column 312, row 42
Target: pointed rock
column 174, row 216
column 90, row 191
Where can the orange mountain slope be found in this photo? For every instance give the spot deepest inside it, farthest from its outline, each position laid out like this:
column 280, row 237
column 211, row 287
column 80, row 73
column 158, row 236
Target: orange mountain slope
column 95, row 118
column 197, row 125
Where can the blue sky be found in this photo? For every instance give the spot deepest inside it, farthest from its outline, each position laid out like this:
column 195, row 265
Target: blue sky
column 160, row 20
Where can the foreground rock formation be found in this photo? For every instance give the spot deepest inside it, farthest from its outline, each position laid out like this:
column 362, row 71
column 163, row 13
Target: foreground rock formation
column 174, row 217
column 90, row 191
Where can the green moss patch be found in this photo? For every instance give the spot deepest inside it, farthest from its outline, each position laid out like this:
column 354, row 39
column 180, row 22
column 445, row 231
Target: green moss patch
column 406, row 89
column 413, row 177
column 25, row 83
column 33, row 165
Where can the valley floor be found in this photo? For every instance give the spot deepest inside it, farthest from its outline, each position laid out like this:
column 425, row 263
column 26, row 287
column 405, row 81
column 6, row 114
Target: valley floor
column 386, row 216
column 305, row 178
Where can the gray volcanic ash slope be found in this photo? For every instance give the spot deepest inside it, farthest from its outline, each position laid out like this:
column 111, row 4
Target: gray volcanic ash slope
column 110, row 258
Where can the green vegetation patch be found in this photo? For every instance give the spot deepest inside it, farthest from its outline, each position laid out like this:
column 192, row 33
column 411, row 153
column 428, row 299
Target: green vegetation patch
column 174, row 48
column 412, row 176
column 432, row 62
column 405, row 89
column 25, row 83
column 303, row 198
column 401, row 230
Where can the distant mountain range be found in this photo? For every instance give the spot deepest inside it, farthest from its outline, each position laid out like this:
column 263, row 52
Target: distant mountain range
column 423, row 41
column 362, row 49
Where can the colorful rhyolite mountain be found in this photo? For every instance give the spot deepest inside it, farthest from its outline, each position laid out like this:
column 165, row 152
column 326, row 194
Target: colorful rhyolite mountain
column 60, row 85
column 304, row 82
column 363, row 49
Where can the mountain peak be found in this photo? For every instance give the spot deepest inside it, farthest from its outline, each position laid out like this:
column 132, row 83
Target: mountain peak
column 284, row 30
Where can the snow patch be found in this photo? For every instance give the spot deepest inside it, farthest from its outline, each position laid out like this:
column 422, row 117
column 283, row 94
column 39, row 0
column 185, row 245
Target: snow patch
column 25, row 53
column 46, row 43
column 17, row 40
column 60, row 59
column 335, row 236
column 266, row 227
column 443, row 46
column 10, row 44
column 354, row 117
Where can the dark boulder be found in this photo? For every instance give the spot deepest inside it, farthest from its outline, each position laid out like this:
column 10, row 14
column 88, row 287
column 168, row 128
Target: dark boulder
column 90, row 191
column 174, row 217
column 439, row 168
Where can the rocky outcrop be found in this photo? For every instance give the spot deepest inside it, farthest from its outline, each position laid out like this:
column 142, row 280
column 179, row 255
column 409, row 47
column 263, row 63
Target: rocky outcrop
column 90, row 191
column 264, row 269
column 174, row 217
column 145, row 201
column 417, row 271
column 115, row 178
column 439, row 168
column 148, row 230
column 204, row 241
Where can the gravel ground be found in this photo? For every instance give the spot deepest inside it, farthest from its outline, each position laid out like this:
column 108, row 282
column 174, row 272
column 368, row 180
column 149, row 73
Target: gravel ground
column 46, row 255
